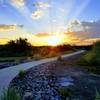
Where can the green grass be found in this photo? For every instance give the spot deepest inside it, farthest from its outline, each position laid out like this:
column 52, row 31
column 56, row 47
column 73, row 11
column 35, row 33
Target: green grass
column 70, row 51
column 50, row 54
column 89, row 66
column 21, row 73
column 65, row 92
column 35, row 57
column 3, row 59
column 10, row 94
column 91, row 60
column 97, row 97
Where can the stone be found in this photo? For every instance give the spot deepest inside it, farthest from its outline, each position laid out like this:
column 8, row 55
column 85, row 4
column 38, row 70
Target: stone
column 28, row 96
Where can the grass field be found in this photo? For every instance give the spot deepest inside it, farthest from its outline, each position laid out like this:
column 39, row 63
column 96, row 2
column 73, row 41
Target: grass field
column 35, row 57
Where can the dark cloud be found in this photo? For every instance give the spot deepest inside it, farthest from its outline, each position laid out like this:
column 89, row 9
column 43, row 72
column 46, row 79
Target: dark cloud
column 92, row 27
column 86, row 29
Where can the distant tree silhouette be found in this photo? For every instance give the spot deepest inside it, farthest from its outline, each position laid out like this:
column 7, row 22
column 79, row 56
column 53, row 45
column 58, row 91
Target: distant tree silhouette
column 23, row 45
column 19, row 47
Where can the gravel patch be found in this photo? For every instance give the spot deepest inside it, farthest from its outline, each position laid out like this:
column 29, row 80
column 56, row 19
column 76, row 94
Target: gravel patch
column 42, row 82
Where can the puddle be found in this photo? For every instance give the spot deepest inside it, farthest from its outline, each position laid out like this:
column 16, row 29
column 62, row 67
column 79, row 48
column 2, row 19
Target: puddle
column 65, row 81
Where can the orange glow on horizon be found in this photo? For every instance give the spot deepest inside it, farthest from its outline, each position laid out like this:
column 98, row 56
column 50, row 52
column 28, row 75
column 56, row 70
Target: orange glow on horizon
column 53, row 40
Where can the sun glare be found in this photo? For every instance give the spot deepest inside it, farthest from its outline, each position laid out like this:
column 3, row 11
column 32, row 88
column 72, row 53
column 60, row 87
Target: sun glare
column 54, row 40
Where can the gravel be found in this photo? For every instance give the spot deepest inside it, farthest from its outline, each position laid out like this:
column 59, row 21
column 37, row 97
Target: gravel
column 43, row 82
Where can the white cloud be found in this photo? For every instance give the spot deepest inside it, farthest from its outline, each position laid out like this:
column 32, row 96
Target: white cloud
column 18, row 3
column 42, row 5
column 75, row 25
column 37, row 14
column 20, row 6
column 41, row 8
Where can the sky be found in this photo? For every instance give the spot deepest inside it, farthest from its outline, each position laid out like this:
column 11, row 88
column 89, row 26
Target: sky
column 70, row 21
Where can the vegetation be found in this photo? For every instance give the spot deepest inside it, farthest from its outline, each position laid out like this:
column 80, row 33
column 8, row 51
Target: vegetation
column 21, row 73
column 37, row 57
column 59, row 58
column 93, row 57
column 17, row 50
column 65, row 92
column 91, row 60
column 10, row 94
column 97, row 96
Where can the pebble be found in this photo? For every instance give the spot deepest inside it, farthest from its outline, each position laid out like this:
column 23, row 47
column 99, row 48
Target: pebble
column 39, row 84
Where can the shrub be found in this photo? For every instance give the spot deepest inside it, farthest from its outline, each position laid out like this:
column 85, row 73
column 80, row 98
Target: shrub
column 81, row 61
column 59, row 58
column 10, row 94
column 37, row 57
column 93, row 57
column 65, row 92
column 97, row 96
column 21, row 73
column 17, row 61
column 91, row 60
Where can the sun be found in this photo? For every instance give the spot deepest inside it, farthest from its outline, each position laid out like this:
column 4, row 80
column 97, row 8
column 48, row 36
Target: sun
column 53, row 40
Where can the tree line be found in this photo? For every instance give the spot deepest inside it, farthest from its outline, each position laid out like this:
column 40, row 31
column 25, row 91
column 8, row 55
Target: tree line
column 21, row 47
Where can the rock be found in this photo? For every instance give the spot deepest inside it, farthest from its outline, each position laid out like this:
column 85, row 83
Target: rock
column 28, row 96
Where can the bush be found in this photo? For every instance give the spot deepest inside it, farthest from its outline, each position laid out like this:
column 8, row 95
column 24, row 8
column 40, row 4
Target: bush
column 93, row 57
column 91, row 60
column 21, row 73
column 37, row 57
column 65, row 92
column 10, row 94
column 97, row 96
column 59, row 58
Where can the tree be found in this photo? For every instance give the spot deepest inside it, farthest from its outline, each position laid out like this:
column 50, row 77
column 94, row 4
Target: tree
column 19, row 47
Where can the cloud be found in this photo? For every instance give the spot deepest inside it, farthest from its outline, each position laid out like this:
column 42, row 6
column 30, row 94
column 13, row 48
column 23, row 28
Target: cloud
column 41, row 8
column 80, row 38
column 87, row 41
column 42, row 34
column 3, row 40
column 85, row 29
column 83, row 32
column 42, row 5
column 75, row 22
column 4, row 27
column 18, row 3
column 93, row 27
column 37, row 14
